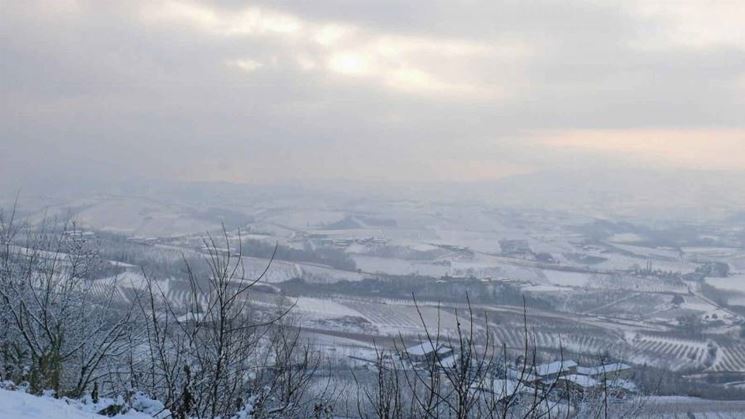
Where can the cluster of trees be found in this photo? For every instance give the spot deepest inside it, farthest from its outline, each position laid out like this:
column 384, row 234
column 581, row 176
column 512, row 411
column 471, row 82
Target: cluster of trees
column 210, row 355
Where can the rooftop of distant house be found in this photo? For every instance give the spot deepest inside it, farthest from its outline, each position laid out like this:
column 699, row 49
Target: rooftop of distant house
column 581, row 380
column 427, row 347
column 555, row 367
column 609, row 369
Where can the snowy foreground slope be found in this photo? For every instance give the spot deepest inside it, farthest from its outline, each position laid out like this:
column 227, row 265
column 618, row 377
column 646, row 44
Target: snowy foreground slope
column 19, row 405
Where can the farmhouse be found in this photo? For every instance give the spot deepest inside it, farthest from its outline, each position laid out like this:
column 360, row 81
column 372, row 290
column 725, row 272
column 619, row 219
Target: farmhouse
column 622, row 389
column 577, row 384
column 523, row 376
column 507, row 391
column 427, row 351
column 556, row 369
column 609, row 372
column 449, row 362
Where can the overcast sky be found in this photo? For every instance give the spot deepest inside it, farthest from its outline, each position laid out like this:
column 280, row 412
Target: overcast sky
column 257, row 91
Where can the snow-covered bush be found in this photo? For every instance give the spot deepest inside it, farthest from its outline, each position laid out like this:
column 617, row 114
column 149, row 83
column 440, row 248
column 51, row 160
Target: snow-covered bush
column 203, row 356
column 55, row 332
column 212, row 351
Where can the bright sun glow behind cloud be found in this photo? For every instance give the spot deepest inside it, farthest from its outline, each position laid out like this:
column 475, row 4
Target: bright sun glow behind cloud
column 408, row 64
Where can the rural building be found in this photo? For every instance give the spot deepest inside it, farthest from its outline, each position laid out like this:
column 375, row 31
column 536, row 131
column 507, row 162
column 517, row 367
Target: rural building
column 448, row 362
column 523, row 376
column 622, row 389
column 577, row 384
column 427, row 351
column 610, row 372
column 507, row 391
column 553, row 370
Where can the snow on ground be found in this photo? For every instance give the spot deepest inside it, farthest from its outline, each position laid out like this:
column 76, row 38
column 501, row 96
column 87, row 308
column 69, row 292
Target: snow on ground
column 352, row 233
column 273, row 230
column 731, row 283
column 713, row 252
column 19, row 405
column 481, row 266
column 544, row 288
column 143, row 216
column 670, row 352
column 374, row 264
column 567, row 279
column 391, row 317
column 281, row 271
column 708, row 310
column 475, row 240
column 417, row 246
column 617, row 261
column 303, row 218
column 335, row 347
column 130, row 278
column 697, row 304
column 496, row 267
column 650, row 252
column 737, row 263
column 317, row 308
column 625, row 238
column 734, row 286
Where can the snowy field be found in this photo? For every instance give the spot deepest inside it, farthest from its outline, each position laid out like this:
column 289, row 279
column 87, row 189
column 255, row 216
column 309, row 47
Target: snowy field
column 373, row 264
column 310, row 308
column 281, row 271
column 734, row 285
column 731, row 283
column 567, row 279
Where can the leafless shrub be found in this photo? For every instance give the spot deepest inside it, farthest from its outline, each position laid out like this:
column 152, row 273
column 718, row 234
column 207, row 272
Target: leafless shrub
column 214, row 353
column 58, row 331
column 474, row 377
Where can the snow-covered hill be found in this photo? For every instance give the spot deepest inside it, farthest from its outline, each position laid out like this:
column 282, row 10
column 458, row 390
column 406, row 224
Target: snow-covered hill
column 20, row 405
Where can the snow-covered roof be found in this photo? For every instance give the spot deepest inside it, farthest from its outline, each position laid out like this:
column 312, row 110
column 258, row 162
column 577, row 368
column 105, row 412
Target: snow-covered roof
column 611, row 368
column 554, row 367
column 607, row 369
column 425, row 348
column 191, row 317
column 505, row 387
column 526, row 376
column 625, row 385
column 587, row 370
column 449, row 362
column 581, row 380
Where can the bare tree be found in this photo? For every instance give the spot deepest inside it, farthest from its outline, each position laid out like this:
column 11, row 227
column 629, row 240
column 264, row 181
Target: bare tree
column 385, row 398
column 448, row 383
column 281, row 387
column 473, row 377
column 214, row 352
column 62, row 329
column 218, row 351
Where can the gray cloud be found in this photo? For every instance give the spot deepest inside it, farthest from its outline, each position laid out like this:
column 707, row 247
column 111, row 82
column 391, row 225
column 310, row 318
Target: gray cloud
column 326, row 89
